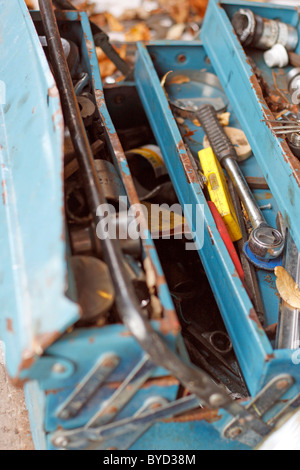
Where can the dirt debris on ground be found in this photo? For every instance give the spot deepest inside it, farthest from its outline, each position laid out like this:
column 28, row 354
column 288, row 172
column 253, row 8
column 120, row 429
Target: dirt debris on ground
column 14, row 422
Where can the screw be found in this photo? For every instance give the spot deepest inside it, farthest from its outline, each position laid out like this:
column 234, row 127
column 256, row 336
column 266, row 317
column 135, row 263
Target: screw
column 58, row 368
column 110, row 361
column 282, row 384
column 61, row 441
column 216, row 400
column 233, row 433
column 65, row 414
column 181, row 59
column 295, row 139
column 266, row 207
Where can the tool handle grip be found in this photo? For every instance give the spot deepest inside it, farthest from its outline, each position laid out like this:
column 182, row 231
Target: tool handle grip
column 218, row 139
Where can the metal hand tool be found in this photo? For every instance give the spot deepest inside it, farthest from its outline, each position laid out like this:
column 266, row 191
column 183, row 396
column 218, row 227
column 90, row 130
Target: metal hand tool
column 288, row 331
column 205, row 87
column 287, row 131
column 276, row 121
column 249, row 270
column 89, row 436
column 265, row 244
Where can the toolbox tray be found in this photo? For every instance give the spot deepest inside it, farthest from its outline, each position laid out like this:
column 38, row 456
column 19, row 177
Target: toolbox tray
column 258, row 359
column 279, row 166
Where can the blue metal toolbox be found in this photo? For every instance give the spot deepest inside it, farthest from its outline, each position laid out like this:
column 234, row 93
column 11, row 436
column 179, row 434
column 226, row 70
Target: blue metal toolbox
column 129, row 381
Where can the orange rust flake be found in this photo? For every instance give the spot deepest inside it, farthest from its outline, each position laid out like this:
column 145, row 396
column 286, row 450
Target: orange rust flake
column 89, row 46
column 271, row 331
column 161, row 382
column 269, row 357
column 126, row 333
column 4, row 192
column 188, row 169
column 253, row 316
column 51, row 392
column 9, row 325
column 211, row 235
column 58, row 124
column 211, row 416
column 189, row 134
column 99, row 98
column 53, row 92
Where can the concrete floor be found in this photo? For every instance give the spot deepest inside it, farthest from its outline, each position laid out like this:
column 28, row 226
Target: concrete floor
column 14, row 424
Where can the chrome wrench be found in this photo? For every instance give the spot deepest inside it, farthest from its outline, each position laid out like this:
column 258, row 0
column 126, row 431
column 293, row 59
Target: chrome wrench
column 265, row 243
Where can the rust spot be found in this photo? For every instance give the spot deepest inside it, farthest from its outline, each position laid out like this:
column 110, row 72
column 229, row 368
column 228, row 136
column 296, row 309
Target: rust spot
column 33, row 110
column 188, row 169
column 112, row 410
column 161, row 382
column 4, row 192
column 51, row 392
column 211, row 416
column 29, row 357
column 53, row 92
column 271, row 331
column 9, row 325
column 271, row 282
column 189, row 134
column 264, row 195
column 269, row 357
column 58, row 122
column 126, row 333
column 99, row 99
column 211, row 235
column 253, row 316
column 89, row 46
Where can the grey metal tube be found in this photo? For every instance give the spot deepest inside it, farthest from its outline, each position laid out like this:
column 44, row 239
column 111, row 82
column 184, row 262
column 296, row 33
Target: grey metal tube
column 288, row 332
column 242, row 188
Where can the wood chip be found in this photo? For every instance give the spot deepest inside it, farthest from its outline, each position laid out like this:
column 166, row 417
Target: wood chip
column 239, row 140
column 178, row 9
column 288, row 289
column 113, row 23
column 140, row 32
column 179, row 80
column 164, row 79
column 107, row 68
column 224, row 119
column 199, row 6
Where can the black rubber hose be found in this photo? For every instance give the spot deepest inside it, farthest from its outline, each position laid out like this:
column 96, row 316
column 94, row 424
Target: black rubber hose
column 127, row 304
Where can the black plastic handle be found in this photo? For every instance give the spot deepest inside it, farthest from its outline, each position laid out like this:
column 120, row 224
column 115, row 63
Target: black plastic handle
column 218, row 139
